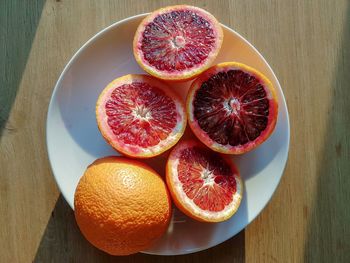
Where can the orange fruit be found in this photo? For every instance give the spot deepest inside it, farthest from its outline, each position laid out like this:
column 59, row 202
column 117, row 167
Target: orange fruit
column 121, row 206
column 140, row 116
column 204, row 185
column 232, row 108
column 177, row 42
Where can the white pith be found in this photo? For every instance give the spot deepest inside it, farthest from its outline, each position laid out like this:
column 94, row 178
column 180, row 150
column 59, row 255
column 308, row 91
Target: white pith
column 141, row 114
column 189, row 203
column 178, row 42
column 204, row 137
column 184, row 73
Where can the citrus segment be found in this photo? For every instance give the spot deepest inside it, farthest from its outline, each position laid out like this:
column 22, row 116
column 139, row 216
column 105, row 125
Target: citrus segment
column 204, row 185
column 232, row 108
column 177, row 42
column 140, row 116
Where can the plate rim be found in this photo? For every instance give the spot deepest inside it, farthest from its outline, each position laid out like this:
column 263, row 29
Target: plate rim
column 126, row 20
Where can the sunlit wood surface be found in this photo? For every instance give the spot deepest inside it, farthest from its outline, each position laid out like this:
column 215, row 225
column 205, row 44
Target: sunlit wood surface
column 307, row 43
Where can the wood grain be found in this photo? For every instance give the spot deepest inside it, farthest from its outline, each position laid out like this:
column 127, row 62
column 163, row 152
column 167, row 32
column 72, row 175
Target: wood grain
column 307, row 45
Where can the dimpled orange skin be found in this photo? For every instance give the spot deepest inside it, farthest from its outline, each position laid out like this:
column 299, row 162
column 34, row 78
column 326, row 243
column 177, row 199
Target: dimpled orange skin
column 121, row 206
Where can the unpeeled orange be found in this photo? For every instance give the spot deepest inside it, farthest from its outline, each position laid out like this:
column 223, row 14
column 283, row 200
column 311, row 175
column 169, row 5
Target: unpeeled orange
column 121, row 206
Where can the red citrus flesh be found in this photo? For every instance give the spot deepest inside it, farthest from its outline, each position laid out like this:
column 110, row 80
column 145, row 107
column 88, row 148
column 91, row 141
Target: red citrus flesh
column 140, row 116
column 232, row 108
column 204, row 184
column 177, row 42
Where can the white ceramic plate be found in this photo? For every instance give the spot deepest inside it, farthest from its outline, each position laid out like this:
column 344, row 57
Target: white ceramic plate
column 73, row 139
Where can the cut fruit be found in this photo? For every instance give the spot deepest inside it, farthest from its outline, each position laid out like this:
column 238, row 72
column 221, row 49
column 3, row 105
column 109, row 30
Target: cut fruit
column 140, row 116
column 177, row 42
column 232, row 108
column 203, row 184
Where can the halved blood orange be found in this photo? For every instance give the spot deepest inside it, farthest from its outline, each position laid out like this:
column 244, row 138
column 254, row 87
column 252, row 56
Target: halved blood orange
column 205, row 185
column 177, row 42
column 140, row 116
column 232, row 108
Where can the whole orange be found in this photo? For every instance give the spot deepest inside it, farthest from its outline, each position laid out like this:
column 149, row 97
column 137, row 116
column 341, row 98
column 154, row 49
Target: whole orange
column 121, row 206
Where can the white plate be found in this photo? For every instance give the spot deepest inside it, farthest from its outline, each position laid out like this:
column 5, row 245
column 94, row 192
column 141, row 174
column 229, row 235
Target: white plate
column 73, row 139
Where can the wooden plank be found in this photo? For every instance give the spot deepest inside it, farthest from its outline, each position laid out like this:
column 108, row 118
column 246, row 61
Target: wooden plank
column 308, row 218
column 306, row 43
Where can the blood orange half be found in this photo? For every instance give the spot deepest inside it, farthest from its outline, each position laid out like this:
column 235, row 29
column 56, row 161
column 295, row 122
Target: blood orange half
column 140, row 116
column 232, row 108
column 205, row 185
column 177, row 42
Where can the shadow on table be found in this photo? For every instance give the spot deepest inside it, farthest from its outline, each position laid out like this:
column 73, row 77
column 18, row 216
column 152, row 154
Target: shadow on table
column 18, row 24
column 63, row 242
column 329, row 218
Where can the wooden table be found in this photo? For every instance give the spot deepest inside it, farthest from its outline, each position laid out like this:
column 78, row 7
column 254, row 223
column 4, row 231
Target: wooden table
column 307, row 43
